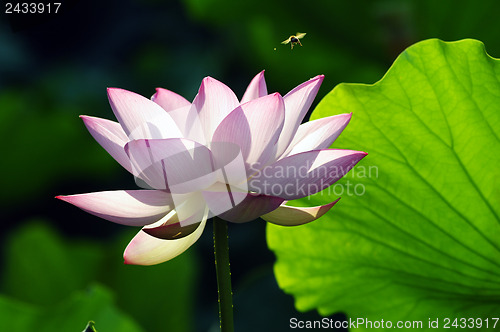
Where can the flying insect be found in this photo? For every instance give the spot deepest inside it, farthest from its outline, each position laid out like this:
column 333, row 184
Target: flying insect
column 294, row 39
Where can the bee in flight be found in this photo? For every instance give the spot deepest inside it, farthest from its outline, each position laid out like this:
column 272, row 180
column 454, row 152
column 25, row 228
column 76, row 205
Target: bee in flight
column 294, row 39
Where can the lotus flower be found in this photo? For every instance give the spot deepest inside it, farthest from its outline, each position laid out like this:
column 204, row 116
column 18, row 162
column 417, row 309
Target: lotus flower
column 216, row 156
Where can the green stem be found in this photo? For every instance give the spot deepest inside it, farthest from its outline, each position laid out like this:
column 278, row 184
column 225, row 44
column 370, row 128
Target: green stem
column 221, row 251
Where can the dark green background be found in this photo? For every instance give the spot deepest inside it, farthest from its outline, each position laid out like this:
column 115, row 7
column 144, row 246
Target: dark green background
column 56, row 67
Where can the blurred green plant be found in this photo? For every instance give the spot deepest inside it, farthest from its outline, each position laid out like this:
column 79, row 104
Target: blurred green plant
column 419, row 237
column 51, row 284
column 68, row 315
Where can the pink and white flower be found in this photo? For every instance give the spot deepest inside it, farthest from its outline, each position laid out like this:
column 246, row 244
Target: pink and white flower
column 216, row 156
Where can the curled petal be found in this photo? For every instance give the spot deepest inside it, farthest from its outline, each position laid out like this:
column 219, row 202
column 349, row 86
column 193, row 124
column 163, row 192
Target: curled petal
column 305, row 173
column 141, row 117
column 110, row 136
column 172, row 228
column 189, row 211
column 169, row 100
column 255, row 127
column 256, row 89
column 297, row 102
column 317, row 134
column 213, row 103
column 145, row 249
column 287, row 215
column 171, row 231
column 126, row 207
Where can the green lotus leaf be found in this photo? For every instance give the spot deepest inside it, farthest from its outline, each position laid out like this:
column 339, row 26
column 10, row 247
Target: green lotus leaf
column 416, row 235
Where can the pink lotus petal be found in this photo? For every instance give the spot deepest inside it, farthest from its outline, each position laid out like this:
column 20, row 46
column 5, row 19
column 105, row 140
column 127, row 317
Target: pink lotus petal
column 182, row 112
column 145, row 249
column 255, row 127
column 126, row 207
column 213, row 102
column 317, row 134
column 189, row 123
column 229, row 164
column 141, row 117
column 287, row 215
column 176, row 164
column 305, row 173
column 256, row 89
column 250, row 206
column 110, row 136
column 222, row 197
column 297, row 102
column 169, row 100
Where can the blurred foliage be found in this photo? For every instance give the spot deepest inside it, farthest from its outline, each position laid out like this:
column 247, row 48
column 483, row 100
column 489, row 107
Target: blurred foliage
column 47, row 142
column 67, row 316
column 419, row 238
column 47, row 276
